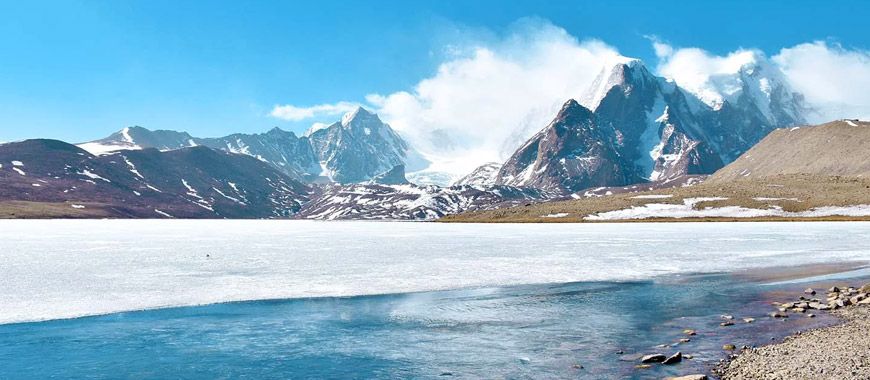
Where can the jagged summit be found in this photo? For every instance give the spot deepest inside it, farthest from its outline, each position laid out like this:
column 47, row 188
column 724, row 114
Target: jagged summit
column 573, row 152
column 278, row 131
column 359, row 148
column 573, row 108
column 634, row 126
column 359, row 114
column 622, row 71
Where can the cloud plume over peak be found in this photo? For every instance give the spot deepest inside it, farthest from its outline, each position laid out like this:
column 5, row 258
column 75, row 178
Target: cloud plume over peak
column 479, row 107
column 833, row 79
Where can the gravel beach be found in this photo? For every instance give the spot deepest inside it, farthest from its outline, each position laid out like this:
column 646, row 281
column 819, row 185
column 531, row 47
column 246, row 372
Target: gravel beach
column 838, row 352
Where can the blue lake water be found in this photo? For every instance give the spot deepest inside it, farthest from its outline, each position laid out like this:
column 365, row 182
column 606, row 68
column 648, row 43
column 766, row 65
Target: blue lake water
column 534, row 331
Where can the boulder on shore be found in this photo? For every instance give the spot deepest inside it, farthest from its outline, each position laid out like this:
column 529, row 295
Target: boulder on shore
column 674, row 359
column 653, row 358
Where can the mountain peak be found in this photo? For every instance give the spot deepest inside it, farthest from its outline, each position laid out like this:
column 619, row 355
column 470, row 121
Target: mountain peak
column 573, row 106
column 125, row 133
column 276, row 131
column 617, row 71
column 359, row 113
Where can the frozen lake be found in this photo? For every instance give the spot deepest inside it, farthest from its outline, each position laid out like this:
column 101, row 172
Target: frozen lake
column 68, row 268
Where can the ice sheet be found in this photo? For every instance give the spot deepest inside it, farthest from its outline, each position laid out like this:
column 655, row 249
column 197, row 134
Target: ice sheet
column 67, row 268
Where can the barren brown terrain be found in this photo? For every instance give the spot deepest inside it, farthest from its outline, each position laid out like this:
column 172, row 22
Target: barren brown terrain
column 793, row 193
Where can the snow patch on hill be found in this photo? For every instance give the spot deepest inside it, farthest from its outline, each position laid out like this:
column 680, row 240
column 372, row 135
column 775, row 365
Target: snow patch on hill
column 687, row 210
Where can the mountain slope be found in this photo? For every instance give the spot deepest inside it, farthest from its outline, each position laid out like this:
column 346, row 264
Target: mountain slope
column 838, row 148
column 195, row 182
column 283, row 150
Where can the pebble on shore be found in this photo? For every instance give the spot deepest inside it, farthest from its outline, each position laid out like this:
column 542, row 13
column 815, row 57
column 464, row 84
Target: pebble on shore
column 688, row 377
column 837, row 298
column 836, row 352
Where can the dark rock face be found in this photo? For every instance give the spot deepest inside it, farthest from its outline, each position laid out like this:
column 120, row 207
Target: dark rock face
column 195, row 182
column 647, row 129
column 571, row 154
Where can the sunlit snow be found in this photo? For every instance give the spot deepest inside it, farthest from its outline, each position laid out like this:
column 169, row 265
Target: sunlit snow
column 687, row 210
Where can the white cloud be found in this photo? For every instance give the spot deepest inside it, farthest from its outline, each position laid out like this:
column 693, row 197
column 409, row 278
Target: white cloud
column 480, row 107
column 294, row 113
column 662, row 49
column 708, row 76
column 833, row 79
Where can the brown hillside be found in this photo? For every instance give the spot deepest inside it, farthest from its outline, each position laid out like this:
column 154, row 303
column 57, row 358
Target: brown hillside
column 839, row 148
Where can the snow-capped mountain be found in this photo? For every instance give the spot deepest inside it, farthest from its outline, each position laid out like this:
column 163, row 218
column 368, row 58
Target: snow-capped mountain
column 412, row 202
column 358, row 148
column 134, row 138
column 637, row 127
column 192, row 182
column 752, row 102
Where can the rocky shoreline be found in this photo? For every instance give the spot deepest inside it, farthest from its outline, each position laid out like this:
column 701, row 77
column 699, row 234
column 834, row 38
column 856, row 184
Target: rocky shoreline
column 837, row 352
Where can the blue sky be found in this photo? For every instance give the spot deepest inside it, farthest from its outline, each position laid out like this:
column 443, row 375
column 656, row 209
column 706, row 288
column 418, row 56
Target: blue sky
column 78, row 70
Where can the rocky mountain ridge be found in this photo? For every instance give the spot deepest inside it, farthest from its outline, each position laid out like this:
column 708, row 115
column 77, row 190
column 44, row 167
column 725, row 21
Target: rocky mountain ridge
column 637, row 127
column 357, row 149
